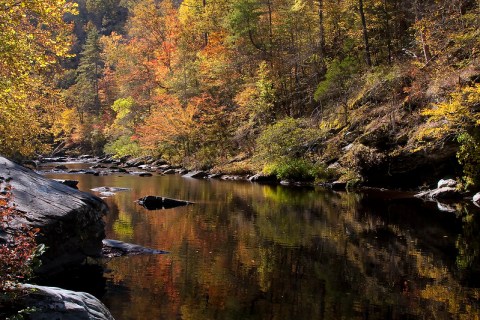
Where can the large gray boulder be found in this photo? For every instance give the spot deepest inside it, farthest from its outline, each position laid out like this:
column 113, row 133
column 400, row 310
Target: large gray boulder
column 70, row 221
column 54, row 303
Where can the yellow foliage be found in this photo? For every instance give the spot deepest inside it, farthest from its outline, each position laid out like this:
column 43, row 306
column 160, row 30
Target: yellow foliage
column 453, row 116
column 33, row 36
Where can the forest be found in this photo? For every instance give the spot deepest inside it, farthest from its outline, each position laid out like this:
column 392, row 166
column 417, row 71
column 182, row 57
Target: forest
column 379, row 92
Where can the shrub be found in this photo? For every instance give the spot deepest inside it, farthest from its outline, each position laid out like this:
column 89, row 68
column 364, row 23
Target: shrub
column 299, row 170
column 287, row 139
column 18, row 252
column 468, row 156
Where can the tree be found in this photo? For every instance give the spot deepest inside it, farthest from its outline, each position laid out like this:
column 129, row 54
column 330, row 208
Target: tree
column 365, row 33
column 338, row 83
column 85, row 93
column 33, row 38
column 121, row 131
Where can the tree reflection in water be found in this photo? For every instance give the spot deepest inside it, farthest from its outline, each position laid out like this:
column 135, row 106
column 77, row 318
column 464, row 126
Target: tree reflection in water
column 247, row 251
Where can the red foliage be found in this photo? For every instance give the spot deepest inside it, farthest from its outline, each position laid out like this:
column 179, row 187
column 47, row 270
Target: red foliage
column 17, row 254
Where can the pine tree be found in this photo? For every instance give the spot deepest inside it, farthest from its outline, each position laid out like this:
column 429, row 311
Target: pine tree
column 85, row 92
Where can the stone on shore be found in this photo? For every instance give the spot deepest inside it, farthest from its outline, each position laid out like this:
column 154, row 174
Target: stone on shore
column 443, row 193
column 55, row 303
column 196, row 175
column 264, row 178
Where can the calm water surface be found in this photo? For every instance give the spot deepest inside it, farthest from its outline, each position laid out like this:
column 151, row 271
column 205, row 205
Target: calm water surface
column 249, row 251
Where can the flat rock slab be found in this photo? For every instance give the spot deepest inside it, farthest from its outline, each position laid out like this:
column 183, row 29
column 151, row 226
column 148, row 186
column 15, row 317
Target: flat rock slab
column 70, row 221
column 116, row 248
column 154, row 202
column 55, row 303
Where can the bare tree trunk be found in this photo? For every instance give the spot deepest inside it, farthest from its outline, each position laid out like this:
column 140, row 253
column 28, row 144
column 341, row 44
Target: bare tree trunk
column 387, row 31
column 321, row 30
column 365, row 34
column 270, row 32
column 425, row 48
column 205, row 34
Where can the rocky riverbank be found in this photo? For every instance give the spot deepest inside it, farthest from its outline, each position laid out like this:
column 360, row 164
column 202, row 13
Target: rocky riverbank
column 71, row 227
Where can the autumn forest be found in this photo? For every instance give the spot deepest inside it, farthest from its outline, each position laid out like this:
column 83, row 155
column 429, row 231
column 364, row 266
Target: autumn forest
column 376, row 91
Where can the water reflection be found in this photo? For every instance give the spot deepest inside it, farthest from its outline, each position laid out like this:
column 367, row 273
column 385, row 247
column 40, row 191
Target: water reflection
column 247, row 251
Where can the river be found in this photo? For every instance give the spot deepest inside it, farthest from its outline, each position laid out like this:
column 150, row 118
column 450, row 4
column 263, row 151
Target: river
column 251, row 251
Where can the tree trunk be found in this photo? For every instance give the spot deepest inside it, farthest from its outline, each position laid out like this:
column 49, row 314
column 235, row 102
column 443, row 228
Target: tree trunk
column 321, row 30
column 365, row 34
column 387, row 31
column 205, row 34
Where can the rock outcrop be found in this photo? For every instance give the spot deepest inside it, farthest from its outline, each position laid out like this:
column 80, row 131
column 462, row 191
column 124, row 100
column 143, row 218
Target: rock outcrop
column 55, row 303
column 70, row 221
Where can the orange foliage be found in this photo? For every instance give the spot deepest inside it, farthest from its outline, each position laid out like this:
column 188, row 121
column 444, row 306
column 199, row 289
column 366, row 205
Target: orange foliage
column 168, row 122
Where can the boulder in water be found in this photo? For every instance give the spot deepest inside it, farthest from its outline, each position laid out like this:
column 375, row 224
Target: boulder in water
column 154, row 202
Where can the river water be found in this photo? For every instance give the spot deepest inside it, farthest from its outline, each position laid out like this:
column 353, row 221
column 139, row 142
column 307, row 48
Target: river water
column 250, row 251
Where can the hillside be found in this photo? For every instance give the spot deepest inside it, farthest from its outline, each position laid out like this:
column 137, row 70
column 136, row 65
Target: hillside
column 385, row 93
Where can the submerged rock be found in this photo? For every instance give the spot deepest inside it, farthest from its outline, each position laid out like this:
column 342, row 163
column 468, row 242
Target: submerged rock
column 154, row 202
column 55, row 303
column 115, row 248
column 70, row 221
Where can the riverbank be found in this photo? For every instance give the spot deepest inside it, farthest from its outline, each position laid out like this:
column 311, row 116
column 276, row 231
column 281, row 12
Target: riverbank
column 447, row 193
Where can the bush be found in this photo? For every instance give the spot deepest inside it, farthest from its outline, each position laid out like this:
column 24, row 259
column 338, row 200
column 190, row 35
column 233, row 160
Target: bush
column 468, row 156
column 287, row 139
column 299, row 170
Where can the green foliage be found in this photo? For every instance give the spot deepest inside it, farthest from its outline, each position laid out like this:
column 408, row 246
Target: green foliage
column 468, row 156
column 84, row 94
column 292, row 169
column 120, row 132
column 243, row 19
column 287, row 139
column 299, row 170
column 123, row 107
column 123, row 146
column 284, row 149
column 338, row 78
